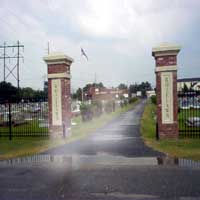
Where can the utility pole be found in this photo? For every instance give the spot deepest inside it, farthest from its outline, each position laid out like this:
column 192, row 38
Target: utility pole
column 10, row 70
column 95, row 78
column 4, row 61
column 18, row 64
column 48, row 49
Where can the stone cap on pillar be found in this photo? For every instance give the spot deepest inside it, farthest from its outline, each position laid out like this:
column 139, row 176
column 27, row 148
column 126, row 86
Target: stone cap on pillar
column 165, row 49
column 58, row 58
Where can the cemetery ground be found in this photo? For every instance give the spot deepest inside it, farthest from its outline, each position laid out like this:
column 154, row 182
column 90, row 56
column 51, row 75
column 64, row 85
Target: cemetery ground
column 181, row 148
column 24, row 146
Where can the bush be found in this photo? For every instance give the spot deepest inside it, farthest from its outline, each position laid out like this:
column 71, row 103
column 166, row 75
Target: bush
column 121, row 104
column 132, row 100
column 97, row 108
column 86, row 112
column 125, row 102
column 110, row 106
column 153, row 99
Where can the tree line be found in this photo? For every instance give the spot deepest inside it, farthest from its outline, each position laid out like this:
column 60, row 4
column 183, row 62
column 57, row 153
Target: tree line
column 7, row 90
column 132, row 88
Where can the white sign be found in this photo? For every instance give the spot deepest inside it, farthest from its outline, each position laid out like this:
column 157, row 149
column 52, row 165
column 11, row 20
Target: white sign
column 56, row 102
column 167, row 97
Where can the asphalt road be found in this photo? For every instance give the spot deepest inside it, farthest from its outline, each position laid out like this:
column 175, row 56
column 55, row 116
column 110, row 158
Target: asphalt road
column 120, row 137
column 111, row 164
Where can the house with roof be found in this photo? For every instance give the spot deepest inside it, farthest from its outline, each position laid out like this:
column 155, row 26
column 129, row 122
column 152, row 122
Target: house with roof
column 106, row 94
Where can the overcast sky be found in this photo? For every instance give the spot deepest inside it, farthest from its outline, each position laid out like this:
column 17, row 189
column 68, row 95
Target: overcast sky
column 117, row 36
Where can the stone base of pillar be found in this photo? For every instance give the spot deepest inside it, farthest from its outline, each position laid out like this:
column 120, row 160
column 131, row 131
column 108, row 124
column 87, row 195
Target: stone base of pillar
column 168, row 131
column 59, row 132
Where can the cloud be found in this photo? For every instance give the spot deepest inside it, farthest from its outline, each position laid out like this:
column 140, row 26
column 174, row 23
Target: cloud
column 117, row 35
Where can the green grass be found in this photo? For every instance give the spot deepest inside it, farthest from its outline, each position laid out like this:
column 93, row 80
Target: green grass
column 30, row 125
column 182, row 148
column 184, row 115
column 24, row 146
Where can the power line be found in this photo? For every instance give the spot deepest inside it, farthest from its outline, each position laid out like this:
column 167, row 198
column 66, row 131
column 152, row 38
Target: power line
column 9, row 70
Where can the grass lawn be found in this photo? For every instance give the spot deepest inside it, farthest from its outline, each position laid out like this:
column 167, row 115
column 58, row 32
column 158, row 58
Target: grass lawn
column 24, row 146
column 182, row 148
column 185, row 114
column 22, row 129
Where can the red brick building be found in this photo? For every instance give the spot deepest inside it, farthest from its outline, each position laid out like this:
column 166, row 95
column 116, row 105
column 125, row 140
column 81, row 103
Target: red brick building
column 100, row 94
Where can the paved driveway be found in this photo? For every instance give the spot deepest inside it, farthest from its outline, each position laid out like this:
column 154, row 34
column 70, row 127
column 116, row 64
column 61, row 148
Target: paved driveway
column 119, row 137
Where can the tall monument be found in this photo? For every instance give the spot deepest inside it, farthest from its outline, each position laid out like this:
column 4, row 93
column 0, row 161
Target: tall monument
column 166, row 89
column 59, row 94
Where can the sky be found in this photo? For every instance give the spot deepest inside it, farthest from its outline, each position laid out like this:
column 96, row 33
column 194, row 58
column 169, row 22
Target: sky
column 117, row 36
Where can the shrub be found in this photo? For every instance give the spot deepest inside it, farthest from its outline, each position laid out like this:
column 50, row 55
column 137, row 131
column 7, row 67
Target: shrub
column 97, row 108
column 109, row 106
column 125, row 102
column 121, row 104
column 153, row 99
column 86, row 112
column 132, row 100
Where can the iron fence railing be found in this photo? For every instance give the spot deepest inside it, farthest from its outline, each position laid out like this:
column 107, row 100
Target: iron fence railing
column 189, row 114
column 23, row 117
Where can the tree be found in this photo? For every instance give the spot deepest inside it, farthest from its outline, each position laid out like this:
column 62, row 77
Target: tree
column 122, row 86
column 7, row 90
column 185, row 88
column 79, row 94
column 143, row 87
column 27, row 92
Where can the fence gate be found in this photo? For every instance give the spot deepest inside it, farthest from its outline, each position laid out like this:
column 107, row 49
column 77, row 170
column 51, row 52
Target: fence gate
column 24, row 117
column 189, row 114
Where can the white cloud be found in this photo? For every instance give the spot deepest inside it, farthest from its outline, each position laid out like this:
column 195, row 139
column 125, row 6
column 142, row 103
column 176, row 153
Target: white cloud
column 117, row 34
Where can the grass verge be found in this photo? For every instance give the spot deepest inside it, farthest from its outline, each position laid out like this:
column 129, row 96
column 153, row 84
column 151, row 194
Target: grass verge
column 25, row 146
column 182, row 148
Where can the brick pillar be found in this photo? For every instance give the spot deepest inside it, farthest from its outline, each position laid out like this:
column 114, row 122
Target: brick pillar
column 166, row 89
column 59, row 94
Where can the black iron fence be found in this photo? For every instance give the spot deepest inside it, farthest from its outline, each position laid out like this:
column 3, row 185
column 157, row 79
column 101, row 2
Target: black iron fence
column 189, row 114
column 23, row 117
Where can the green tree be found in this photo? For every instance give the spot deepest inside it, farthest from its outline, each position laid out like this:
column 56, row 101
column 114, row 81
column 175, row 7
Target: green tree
column 7, row 90
column 122, row 86
column 79, row 94
column 143, row 87
column 185, row 88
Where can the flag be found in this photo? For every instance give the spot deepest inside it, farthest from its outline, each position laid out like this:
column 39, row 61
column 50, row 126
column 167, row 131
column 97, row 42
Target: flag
column 83, row 53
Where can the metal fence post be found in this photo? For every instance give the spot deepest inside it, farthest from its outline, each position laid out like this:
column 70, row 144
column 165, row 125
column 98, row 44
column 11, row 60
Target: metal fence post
column 64, row 131
column 157, row 134
column 10, row 121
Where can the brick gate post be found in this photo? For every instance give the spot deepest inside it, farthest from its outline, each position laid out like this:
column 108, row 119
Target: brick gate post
column 59, row 94
column 166, row 89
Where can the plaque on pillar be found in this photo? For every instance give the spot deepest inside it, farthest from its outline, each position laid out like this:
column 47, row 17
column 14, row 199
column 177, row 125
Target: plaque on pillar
column 59, row 95
column 56, row 102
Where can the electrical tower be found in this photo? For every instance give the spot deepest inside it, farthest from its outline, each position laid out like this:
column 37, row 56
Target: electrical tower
column 12, row 69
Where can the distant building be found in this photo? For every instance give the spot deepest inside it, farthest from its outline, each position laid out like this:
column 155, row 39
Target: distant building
column 133, row 95
column 189, row 83
column 139, row 93
column 150, row 93
column 105, row 94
